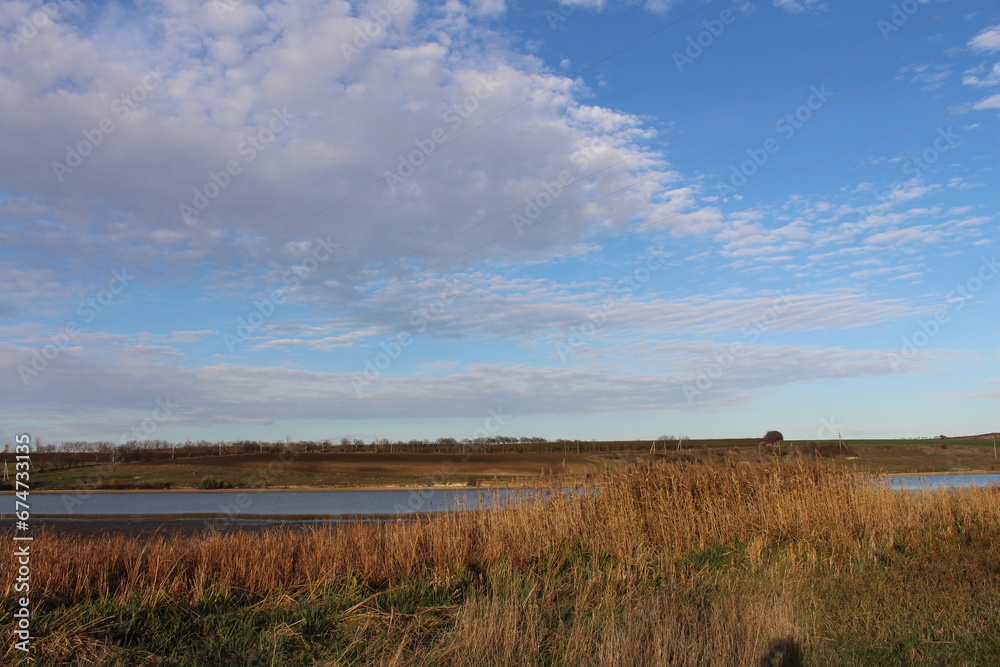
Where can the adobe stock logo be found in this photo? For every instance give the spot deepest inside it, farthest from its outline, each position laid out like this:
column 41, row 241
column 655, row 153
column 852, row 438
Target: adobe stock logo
column 145, row 428
column 374, row 367
column 957, row 299
column 31, row 25
column 722, row 362
column 455, row 115
column 900, row 16
column 249, row 148
column 376, row 24
column 247, row 326
column 123, row 106
column 786, row 127
column 945, row 140
column 88, row 309
column 713, row 29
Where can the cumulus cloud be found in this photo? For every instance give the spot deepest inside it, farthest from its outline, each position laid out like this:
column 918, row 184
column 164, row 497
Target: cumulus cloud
column 382, row 169
column 399, row 133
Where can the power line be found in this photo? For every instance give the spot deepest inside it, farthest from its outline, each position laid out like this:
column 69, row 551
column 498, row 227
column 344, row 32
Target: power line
column 610, row 238
column 504, row 113
column 538, row 223
column 381, row 179
column 646, row 150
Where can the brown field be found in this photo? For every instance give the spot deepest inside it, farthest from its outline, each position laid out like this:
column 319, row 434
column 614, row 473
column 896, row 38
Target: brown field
column 420, row 466
column 340, row 469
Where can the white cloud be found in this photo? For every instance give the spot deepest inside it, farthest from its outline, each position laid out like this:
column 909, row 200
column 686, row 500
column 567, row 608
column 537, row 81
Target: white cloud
column 482, row 306
column 660, row 6
column 982, row 77
column 987, row 40
column 992, row 102
column 488, row 7
column 479, row 130
column 589, row 4
column 933, row 76
column 654, row 6
column 801, row 6
column 361, row 109
column 227, row 393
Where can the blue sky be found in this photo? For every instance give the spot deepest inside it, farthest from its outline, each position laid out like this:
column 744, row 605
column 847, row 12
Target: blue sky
column 587, row 219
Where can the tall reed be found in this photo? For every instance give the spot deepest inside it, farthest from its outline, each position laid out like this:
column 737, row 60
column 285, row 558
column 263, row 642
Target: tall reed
column 657, row 563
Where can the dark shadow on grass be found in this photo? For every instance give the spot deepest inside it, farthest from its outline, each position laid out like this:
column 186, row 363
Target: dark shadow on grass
column 782, row 653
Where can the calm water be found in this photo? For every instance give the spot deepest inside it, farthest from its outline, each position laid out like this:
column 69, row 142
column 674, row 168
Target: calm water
column 942, row 481
column 329, row 504
column 257, row 510
column 234, row 505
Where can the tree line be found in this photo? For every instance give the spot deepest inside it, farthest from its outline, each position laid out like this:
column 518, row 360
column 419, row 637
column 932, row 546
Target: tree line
column 157, row 449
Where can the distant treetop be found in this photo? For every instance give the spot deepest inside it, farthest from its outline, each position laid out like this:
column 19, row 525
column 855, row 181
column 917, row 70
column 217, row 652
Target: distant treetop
column 772, row 437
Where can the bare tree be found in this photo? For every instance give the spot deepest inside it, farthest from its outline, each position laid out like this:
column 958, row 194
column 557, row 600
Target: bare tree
column 666, row 441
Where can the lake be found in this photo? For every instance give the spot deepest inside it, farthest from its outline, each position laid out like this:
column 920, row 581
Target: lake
column 918, row 482
column 262, row 503
column 242, row 510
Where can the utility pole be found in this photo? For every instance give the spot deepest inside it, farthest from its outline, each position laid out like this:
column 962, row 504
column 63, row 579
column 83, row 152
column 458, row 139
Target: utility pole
column 994, row 448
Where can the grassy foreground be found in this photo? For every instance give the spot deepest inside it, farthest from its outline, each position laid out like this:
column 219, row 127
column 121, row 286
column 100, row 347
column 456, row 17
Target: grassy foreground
column 668, row 563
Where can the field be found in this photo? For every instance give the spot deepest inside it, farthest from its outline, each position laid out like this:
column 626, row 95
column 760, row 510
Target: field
column 908, row 456
column 340, row 469
column 663, row 563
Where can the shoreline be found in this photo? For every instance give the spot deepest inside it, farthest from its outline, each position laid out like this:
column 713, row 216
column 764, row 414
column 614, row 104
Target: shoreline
column 944, row 473
column 458, row 486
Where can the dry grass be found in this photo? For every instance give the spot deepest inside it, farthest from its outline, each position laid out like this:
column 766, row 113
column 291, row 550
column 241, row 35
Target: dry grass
column 668, row 563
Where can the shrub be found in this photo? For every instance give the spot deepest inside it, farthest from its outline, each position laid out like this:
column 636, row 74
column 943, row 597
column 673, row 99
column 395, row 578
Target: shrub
column 209, row 482
column 772, row 437
column 152, row 484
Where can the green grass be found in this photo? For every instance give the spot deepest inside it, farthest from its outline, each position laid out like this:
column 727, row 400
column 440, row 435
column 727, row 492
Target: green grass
column 887, row 613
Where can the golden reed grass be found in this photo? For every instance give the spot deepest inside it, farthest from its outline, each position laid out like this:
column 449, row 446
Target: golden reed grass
column 614, row 571
column 645, row 513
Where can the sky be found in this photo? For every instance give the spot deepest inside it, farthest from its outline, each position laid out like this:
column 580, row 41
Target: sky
column 578, row 219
